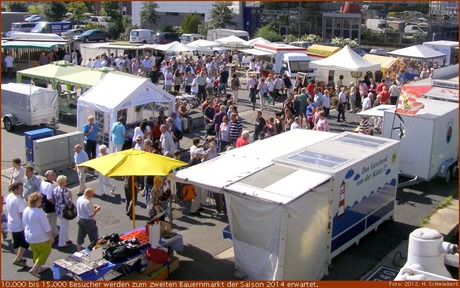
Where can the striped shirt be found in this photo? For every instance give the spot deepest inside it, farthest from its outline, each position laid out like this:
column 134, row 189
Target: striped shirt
column 235, row 129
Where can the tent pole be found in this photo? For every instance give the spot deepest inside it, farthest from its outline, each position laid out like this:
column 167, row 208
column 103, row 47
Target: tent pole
column 133, row 203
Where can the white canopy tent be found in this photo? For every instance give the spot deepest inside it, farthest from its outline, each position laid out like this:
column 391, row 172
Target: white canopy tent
column 201, row 43
column 173, row 47
column 231, row 41
column 345, row 60
column 418, row 52
column 116, row 92
column 258, row 40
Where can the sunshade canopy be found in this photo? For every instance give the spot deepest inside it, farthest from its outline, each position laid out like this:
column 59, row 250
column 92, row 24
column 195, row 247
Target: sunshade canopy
column 51, row 71
column 256, row 52
column 345, row 60
column 385, row 62
column 231, row 40
column 418, row 52
column 133, row 163
column 173, row 47
column 30, row 44
column 256, row 40
column 89, row 77
column 201, row 43
column 322, row 50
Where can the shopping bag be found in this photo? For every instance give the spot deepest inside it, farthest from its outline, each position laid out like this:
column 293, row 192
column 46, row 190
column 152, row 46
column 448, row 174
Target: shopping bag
column 154, row 233
column 269, row 99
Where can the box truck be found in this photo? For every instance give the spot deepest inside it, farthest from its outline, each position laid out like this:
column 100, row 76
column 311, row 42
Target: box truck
column 282, row 59
column 292, row 210
column 450, row 48
column 428, row 131
column 29, row 105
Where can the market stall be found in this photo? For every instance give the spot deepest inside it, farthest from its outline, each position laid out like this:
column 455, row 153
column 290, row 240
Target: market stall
column 317, row 51
column 292, row 210
column 121, row 94
column 390, row 66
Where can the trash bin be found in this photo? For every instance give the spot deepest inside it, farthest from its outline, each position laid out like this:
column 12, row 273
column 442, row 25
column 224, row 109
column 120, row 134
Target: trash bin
column 34, row 135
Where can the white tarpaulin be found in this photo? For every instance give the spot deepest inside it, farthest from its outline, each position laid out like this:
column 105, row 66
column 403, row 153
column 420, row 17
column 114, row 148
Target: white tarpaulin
column 258, row 40
column 116, row 92
column 28, row 97
column 345, row 60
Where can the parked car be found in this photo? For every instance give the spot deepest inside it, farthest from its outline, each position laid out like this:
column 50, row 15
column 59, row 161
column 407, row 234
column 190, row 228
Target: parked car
column 34, row 18
column 71, row 33
column 302, row 44
column 166, row 37
column 378, row 51
column 360, row 51
column 92, row 35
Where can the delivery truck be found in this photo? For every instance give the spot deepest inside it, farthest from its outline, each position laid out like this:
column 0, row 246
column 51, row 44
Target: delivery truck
column 29, row 105
column 450, row 48
column 293, row 209
column 428, row 131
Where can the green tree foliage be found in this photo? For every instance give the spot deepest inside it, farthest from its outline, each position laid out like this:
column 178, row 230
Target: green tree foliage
column 54, row 11
column 203, row 28
column 191, row 23
column 342, row 42
column 222, row 15
column 114, row 18
column 78, row 9
column 36, row 9
column 166, row 28
column 149, row 14
column 17, row 7
column 268, row 33
column 312, row 38
column 90, row 6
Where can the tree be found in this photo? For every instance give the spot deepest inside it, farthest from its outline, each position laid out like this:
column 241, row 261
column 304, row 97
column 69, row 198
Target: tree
column 114, row 18
column 222, row 15
column 166, row 28
column 36, row 9
column 54, row 11
column 342, row 42
column 78, row 9
column 191, row 23
column 267, row 32
column 17, row 7
column 149, row 14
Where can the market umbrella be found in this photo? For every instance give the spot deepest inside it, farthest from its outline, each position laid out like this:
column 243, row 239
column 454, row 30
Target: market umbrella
column 173, row 47
column 133, row 163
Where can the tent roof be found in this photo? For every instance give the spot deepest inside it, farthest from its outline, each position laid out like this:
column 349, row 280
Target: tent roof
column 418, row 52
column 256, row 52
column 345, row 60
column 30, row 44
column 52, row 70
column 322, row 50
column 385, row 62
column 201, row 43
column 231, row 40
column 173, row 47
column 108, row 95
column 256, row 40
column 89, row 77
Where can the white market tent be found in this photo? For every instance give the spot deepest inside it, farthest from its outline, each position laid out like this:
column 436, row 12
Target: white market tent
column 201, row 43
column 345, row 60
column 258, row 40
column 116, row 92
column 231, row 40
column 418, row 52
column 173, row 47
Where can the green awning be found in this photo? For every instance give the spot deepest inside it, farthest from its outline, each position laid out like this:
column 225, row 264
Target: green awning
column 50, row 71
column 29, row 45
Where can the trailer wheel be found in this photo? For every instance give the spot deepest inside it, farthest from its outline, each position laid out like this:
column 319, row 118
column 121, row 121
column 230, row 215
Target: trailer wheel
column 448, row 176
column 8, row 125
column 455, row 170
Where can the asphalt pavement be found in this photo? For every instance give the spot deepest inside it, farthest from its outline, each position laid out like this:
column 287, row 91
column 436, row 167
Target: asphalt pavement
column 207, row 255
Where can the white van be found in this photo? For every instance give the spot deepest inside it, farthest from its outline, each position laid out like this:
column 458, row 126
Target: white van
column 142, row 36
column 214, row 34
column 187, row 38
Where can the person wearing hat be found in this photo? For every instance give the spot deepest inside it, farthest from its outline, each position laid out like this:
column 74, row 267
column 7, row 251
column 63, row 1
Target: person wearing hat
column 90, row 131
column 118, row 134
column 139, row 143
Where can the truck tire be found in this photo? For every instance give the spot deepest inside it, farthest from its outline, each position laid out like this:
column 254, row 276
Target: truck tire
column 455, row 170
column 448, row 175
column 8, row 124
column 86, row 40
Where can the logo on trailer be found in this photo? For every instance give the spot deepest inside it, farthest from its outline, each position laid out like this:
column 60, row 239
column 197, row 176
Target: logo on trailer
column 449, row 130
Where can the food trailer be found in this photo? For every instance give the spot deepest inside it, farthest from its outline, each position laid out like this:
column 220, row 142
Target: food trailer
column 293, row 207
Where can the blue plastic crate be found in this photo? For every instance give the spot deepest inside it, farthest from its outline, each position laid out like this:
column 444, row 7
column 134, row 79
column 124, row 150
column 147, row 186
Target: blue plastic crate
column 227, row 232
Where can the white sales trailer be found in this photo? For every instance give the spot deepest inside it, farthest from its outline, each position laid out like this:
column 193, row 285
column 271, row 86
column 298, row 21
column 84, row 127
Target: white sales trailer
column 429, row 146
column 298, row 199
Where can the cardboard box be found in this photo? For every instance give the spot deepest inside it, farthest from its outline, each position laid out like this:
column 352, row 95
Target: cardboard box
column 135, row 276
column 173, row 264
column 161, row 274
column 151, row 268
column 165, row 228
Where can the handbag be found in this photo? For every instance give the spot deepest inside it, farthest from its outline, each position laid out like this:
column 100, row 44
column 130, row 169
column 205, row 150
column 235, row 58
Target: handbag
column 70, row 212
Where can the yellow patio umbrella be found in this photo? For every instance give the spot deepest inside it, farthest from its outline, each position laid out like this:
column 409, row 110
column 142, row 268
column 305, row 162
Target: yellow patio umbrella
column 133, row 163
